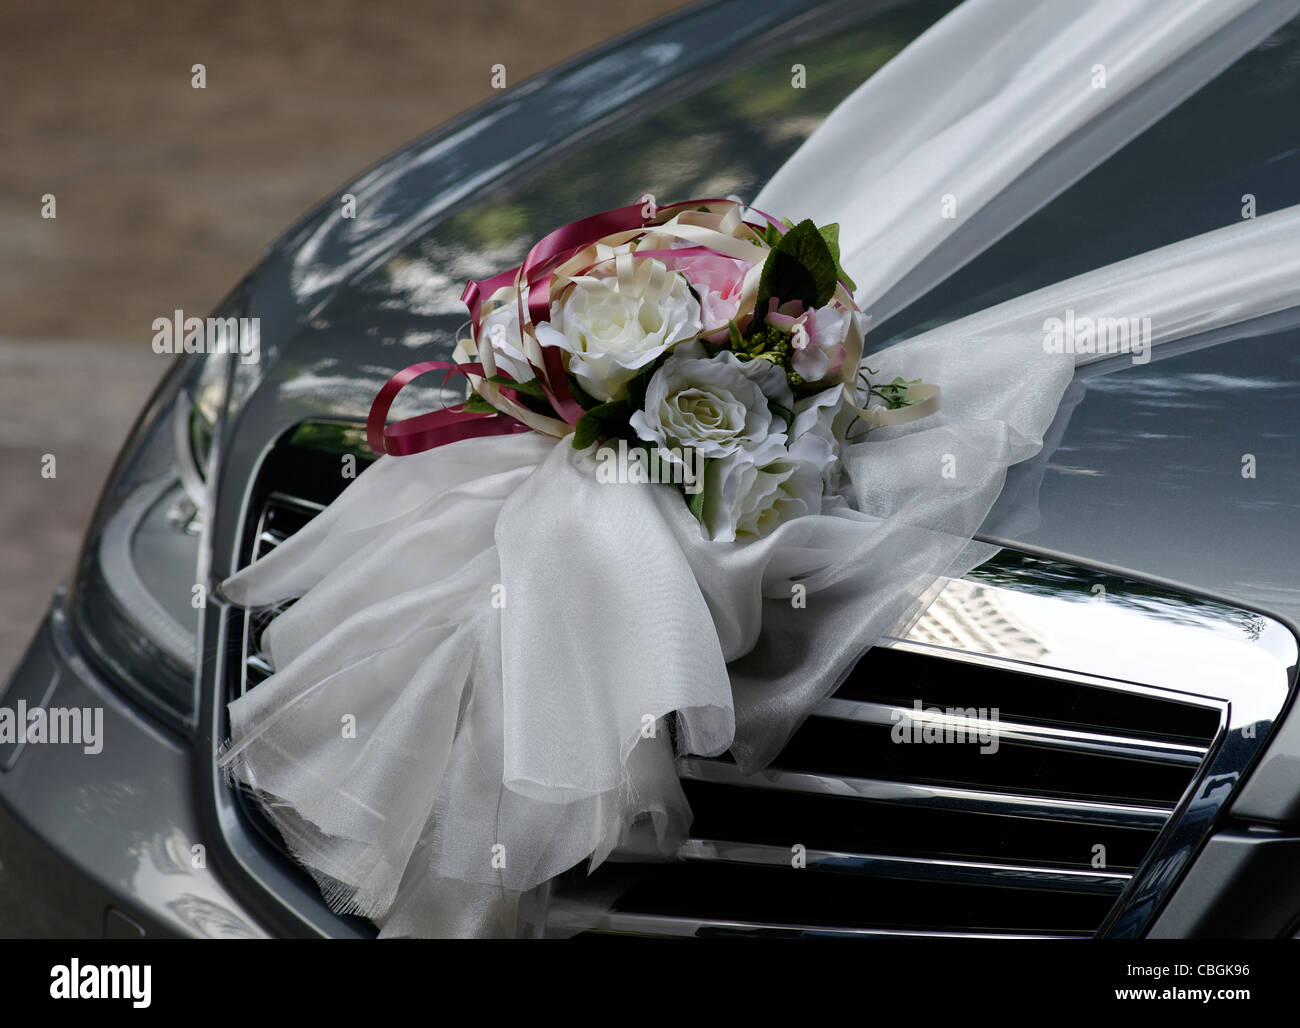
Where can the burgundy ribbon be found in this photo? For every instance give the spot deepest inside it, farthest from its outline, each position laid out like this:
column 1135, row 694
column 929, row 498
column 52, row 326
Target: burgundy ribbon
column 437, row 428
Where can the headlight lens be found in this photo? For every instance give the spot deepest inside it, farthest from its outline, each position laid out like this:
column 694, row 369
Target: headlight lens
column 135, row 604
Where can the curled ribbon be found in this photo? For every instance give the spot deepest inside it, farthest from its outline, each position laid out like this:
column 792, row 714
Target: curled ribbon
column 437, row 428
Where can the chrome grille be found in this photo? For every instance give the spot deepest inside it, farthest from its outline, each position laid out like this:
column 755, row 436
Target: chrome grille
column 850, row 832
column 1112, row 766
column 280, row 518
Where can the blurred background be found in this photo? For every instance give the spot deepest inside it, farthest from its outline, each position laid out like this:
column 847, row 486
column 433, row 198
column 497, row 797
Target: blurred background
column 164, row 194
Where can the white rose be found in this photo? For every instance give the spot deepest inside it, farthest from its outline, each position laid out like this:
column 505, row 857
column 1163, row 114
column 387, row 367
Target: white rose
column 716, row 405
column 817, row 416
column 746, row 500
column 611, row 335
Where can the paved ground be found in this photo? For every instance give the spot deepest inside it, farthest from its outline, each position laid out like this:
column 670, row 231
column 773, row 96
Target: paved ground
column 165, row 194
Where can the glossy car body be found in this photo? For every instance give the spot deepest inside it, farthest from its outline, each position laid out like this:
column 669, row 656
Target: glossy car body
column 1140, row 480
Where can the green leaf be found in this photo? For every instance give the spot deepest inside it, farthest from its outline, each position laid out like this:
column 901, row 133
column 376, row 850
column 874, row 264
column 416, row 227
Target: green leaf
column 696, row 500
column 831, row 233
column 781, row 412
column 737, row 340
column 530, row 387
column 585, row 432
column 894, row 394
column 640, row 383
column 800, row 267
column 603, row 420
column 477, row 405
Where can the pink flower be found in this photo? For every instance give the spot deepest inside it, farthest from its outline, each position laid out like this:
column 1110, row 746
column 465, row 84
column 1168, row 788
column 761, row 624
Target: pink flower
column 817, row 337
column 719, row 282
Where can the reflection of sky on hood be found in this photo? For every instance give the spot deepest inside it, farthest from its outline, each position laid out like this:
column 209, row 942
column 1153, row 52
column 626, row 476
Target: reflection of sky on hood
column 660, row 140
column 422, row 289
column 1148, row 474
column 1190, row 390
column 699, row 112
column 336, row 395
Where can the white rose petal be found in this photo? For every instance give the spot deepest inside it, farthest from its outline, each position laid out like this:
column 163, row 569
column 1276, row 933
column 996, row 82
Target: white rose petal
column 610, row 335
column 816, row 416
column 715, row 405
column 743, row 500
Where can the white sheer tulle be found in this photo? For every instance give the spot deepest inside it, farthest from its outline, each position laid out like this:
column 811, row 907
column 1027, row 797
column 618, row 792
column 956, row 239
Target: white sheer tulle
column 507, row 636
column 942, row 131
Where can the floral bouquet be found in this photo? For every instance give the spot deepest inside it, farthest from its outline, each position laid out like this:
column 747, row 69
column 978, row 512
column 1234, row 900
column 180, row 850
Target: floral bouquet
column 697, row 347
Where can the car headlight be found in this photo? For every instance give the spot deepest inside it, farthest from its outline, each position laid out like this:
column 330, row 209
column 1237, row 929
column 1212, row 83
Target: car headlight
column 136, row 598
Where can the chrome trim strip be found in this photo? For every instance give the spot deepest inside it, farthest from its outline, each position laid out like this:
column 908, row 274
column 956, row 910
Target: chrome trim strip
column 570, row 920
column 942, row 797
column 968, row 872
column 1182, row 650
column 288, row 500
column 1028, row 734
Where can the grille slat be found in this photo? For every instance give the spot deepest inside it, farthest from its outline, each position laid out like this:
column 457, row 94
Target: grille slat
column 1054, row 821
column 624, row 923
column 804, row 896
column 936, row 796
column 1047, row 736
column 281, row 516
column 259, row 665
column 922, row 869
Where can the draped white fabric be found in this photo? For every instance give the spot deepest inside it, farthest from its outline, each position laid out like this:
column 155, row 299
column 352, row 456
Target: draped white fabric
column 948, row 125
column 508, row 634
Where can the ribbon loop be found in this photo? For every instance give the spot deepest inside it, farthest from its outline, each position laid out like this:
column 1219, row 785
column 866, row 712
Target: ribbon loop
column 436, row 428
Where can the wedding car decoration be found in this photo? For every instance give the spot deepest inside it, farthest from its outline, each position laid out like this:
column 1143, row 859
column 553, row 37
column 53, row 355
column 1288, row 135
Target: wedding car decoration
column 524, row 655
column 694, row 345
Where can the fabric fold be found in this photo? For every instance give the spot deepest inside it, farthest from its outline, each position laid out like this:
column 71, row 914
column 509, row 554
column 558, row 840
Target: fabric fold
column 604, row 631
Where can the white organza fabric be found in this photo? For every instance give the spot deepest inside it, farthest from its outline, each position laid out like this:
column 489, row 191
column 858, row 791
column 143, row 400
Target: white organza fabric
column 977, row 105
column 507, row 634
